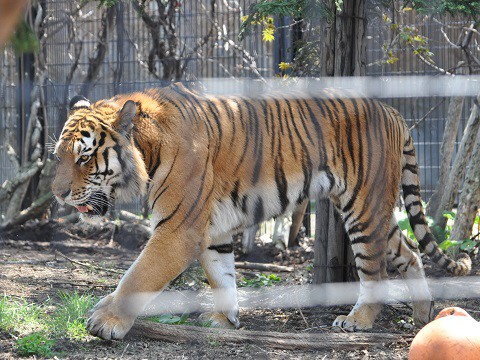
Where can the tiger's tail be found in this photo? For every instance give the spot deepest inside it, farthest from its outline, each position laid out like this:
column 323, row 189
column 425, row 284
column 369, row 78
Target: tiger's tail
column 416, row 215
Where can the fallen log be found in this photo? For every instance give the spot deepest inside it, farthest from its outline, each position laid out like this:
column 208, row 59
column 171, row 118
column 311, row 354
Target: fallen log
column 285, row 341
column 262, row 267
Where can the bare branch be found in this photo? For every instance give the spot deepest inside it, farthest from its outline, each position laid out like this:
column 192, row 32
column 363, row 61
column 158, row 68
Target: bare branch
column 265, row 339
column 247, row 57
column 35, row 210
column 89, row 265
column 101, row 51
column 24, row 174
column 422, row 119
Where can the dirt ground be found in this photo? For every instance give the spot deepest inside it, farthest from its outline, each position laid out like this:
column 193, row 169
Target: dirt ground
column 31, row 268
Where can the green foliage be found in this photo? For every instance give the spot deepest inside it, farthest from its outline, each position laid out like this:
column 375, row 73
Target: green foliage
column 295, row 9
column 455, row 7
column 24, row 39
column 441, row 235
column 259, row 280
column 69, row 317
column 39, row 326
column 19, row 316
column 105, row 3
column 35, row 344
column 404, row 224
column 405, row 35
column 172, row 319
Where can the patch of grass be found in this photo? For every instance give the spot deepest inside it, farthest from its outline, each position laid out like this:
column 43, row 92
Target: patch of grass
column 20, row 316
column 39, row 327
column 259, row 280
column 69, row 317
column 35, row 344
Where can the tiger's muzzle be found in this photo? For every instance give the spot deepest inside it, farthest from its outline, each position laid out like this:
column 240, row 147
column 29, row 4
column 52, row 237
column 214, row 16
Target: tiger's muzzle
column 96, row 205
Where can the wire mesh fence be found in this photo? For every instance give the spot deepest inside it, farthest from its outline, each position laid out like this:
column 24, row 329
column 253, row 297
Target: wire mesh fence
column 100, row 52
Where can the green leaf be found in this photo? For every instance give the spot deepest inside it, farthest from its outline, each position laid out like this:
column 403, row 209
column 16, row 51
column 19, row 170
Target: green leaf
column 168, row 319
column 449, row 215
column 447, row 244
column 24, row 39
column 469, row 245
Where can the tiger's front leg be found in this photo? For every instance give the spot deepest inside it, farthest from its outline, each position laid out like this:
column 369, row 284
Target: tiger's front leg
column 219, row 264
column 164, row 257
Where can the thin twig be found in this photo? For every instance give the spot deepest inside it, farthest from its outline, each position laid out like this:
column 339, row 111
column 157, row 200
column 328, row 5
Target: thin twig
column 73, row 236
column 88, row 265
column 425, row 116
column 83, row 284
column 303, row 317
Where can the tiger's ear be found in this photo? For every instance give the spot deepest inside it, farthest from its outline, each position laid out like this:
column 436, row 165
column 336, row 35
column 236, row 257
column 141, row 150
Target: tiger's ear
column 124, row 122
column 78, row 102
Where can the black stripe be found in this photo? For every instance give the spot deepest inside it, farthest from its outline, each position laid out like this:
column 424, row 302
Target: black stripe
column 368, row 272
column 166, row 177
column 369, row 257
column 258, row 213
column 412, row 168
column 199, row 193
column 234, row 193
column 411, row 190
column 165, row 219
column 152, row 172
column 392, row 232
column 230, row 116
column 290, row 136
column 281, row 182
column 222, row 249
column 258, row 163
column 348, row 129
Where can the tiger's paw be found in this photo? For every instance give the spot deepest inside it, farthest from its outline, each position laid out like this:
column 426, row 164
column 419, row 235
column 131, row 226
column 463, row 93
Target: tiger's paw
column 219, row 320
column 107, row 322
column 422, row 312
column 353, row 323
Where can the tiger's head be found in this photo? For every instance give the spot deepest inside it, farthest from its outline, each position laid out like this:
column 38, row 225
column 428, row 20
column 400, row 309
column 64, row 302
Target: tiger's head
column 98, row 161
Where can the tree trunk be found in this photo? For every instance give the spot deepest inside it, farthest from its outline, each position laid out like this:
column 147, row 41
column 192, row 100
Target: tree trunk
column 248, row 239
column 470, row 197
column 343, row 54
column 459, row 166
column 448, row 144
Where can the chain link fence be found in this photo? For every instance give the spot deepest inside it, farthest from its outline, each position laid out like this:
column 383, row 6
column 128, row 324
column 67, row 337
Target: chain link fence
column 100, row 52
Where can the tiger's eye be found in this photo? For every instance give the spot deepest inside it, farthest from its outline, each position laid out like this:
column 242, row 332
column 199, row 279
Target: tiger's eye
column 83, row 159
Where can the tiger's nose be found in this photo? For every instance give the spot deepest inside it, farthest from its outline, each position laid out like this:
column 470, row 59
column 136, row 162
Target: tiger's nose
column 65, row 194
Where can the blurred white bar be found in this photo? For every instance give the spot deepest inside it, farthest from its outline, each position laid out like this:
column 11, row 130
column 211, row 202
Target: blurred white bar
column 375, row 87
column 178, row 302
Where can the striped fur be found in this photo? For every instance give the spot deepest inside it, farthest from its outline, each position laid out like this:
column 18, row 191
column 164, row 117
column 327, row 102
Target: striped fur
column 215, row 166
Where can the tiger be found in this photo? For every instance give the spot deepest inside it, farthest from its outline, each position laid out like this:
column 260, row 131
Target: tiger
column 212, row 166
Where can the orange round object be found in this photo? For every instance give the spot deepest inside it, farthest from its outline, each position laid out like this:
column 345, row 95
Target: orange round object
column 453, row 311
column 447, row 338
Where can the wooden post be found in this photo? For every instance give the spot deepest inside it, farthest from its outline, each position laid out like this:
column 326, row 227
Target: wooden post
column 343, row 54
column 333, row 257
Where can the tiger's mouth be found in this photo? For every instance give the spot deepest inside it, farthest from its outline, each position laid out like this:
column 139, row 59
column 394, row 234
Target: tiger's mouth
column 96, row 205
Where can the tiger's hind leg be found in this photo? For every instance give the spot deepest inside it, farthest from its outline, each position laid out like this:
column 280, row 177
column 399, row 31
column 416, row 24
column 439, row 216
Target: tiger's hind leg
column 403, row 253
column 219, row 264
column 368, row 235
